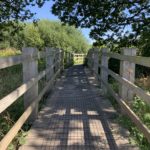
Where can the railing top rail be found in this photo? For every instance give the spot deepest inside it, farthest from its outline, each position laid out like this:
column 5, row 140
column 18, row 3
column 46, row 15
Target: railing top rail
column 79, row 54
column 14, row 60
column 125, row 80
column 144, row 61
column 54, row 64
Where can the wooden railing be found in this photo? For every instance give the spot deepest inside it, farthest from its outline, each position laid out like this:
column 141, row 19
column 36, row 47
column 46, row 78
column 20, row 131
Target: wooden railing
column 74, row 58
column 29, row 88
column 68, row 59
column 98, row 62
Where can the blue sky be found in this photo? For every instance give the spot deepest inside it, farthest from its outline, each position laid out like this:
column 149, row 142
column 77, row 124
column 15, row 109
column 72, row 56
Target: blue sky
column 45, row 13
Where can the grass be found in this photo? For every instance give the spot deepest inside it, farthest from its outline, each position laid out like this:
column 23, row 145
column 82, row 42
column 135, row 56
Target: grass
column 144, row 83
column 10, row 79
column 141, row 109
column 9, row 52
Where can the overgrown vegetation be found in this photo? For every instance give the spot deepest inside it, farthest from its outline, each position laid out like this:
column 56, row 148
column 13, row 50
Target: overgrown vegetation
column 46, row 34
column 10, row 79
column 141, row 109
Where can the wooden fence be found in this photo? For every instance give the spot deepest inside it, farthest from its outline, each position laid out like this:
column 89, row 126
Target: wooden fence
column 78, row 58
column 29, row 88
column 98, row 62
column 68, row 58
column 74, row 58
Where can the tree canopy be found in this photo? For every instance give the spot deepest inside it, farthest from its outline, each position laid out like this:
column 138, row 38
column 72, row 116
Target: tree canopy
column 17, row 10
column 14, row 11
column 105, row 18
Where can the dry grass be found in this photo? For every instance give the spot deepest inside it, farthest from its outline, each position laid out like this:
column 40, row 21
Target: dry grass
column 143, row 82
column 9, row 52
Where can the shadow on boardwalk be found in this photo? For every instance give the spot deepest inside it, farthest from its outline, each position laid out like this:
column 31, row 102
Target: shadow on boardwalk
column 77, row 117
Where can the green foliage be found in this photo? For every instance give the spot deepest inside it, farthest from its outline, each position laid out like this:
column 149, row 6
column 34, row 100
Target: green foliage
column 32, row 37
column 143, row 111
column 144, row 43
column 114, row 16
column 46, row 34
column 11, row 12
column 10, row 79
column 7, row 120
column 114, row 84
column 54, row 34
column 141, row 43
column 9, row 52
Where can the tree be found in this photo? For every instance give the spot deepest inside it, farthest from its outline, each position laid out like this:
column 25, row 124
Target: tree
column 17, row 10
column 14, row 11
column 46, row 34
column 54, row 34
column 105, row 18
column 31, row 37
column 144, row 43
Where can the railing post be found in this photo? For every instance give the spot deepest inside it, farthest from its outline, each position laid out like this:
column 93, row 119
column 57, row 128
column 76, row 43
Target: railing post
column 30, row 70
column 62, row 59
column 67, row 58
column 96, row 60
column 74, row 58
column 89, row 59
column 127, row 71
column 70, row 58
column 104, row 73
column 55, row 60
column 59, row 59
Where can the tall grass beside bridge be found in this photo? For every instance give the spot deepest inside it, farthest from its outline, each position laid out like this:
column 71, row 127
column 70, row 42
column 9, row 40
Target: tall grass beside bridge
column 10, row 79
column 140, row 108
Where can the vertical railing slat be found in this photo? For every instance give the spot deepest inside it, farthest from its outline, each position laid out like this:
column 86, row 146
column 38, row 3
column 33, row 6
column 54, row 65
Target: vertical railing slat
column 127, row 71
column 30, row 70
column 104, row 73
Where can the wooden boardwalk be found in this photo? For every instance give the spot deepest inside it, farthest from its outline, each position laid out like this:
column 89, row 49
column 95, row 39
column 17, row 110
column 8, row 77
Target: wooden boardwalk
column 77, row 117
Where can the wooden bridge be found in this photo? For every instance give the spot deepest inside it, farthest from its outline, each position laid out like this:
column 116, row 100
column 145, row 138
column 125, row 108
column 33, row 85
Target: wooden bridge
column 77, row 114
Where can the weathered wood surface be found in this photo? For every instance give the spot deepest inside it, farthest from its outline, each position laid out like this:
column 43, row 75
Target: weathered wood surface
column 15, row 60
column 29, row 88
column 14, row 95
column 104, row 73
column 137, row 90
column 127, row 72
column 79, row 58
column 30, row 70
column 144, row 61
column 17, row 126
column 77, row 117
